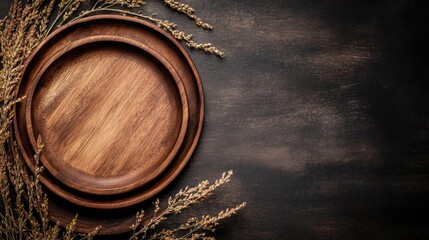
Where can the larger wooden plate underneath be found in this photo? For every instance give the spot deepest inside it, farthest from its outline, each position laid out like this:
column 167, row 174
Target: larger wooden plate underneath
column 119, row 106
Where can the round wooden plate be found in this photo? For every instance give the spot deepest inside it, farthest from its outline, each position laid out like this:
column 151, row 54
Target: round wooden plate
column 96, row 209
column 112, row 114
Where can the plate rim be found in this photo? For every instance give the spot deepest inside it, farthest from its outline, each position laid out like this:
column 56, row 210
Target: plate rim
column 198, row 89
column 64, row 177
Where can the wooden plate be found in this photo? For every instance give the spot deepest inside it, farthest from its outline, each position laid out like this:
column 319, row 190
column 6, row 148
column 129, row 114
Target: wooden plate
column 95, row 209
column 112, row 114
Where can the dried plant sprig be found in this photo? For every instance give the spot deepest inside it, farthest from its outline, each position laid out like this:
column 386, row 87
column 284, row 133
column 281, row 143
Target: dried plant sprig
column 180, row 35
column 65, row 9
column 68, row 234
column 196, row 228
column 30, row 220
column 175, row 205
column 186, row 9
column 170, row 27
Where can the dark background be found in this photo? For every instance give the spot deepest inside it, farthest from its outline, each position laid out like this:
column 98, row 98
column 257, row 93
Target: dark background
column 322, row 110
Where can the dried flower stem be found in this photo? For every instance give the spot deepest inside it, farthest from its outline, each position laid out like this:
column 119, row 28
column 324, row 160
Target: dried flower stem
column 187, row 10
column 175, row 205
column 164, row 24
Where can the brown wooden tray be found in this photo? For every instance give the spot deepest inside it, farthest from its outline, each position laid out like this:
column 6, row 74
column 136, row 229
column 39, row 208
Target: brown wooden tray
column 112, row 112
column 92, row 205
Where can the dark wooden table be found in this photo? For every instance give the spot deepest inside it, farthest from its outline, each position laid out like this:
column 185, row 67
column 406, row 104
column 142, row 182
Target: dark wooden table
column 322, row 110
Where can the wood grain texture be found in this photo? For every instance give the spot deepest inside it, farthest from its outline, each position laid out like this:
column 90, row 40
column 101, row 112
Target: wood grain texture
column 106, row 107
column 321, row 108
column 112, row 115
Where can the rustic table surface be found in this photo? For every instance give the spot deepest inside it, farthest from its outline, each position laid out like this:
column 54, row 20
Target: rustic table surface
column 322, row 110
